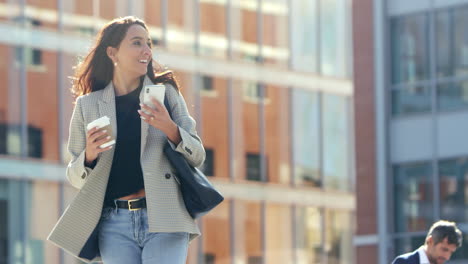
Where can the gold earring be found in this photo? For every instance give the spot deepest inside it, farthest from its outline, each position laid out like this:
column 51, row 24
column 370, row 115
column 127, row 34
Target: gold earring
column 115, row 64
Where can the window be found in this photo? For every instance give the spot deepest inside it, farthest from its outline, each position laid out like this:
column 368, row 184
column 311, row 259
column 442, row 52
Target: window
column 410, row 60
column 454, row 188
column 32, row 56
column 207, row 83
column 253, row 167
column 452, row 58
column 3, row 232
column 336, row 144
column 209, row 258
column 452, row 95
column 254, row 260
column 309, row 240
column 338, row 236
column 454, row 196
column 408, row 244
column 413, row 196
column 306, row 137
column 208, row 165
column 10, row 140
column 411, row 100
column 254, row 91
column 335, row 38
column 452, row 42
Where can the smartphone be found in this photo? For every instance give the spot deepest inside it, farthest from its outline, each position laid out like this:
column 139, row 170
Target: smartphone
column 156, row 91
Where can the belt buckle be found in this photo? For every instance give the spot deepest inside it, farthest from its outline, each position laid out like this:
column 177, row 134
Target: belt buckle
column 130, row 205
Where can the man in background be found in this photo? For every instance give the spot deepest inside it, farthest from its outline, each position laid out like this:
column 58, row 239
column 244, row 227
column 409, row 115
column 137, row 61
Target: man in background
column 442, row 240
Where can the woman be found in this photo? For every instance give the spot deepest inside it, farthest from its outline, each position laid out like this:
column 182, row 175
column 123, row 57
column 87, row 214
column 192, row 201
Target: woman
column 129, row 208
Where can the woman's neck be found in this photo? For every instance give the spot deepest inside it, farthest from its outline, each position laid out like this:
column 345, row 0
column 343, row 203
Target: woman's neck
column 124, row 85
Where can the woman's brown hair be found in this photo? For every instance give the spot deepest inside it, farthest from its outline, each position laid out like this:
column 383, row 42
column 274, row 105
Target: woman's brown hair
column 96, row 70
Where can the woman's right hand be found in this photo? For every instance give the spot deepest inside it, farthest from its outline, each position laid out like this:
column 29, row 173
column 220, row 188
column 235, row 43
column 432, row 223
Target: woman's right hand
column 95, row 138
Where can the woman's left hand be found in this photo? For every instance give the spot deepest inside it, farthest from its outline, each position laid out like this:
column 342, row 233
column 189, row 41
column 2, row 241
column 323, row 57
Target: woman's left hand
column 159, row 118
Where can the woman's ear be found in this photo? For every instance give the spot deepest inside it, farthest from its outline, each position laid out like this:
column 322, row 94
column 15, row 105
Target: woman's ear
column 111, row 51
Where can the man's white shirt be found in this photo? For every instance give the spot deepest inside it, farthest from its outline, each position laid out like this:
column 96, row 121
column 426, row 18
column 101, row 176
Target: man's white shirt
column 422, row 256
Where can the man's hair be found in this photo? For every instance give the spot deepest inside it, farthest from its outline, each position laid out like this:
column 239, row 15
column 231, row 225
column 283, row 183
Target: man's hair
column 444, row 229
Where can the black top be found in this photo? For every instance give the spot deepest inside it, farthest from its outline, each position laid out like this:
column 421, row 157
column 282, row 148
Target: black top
column 126, row 175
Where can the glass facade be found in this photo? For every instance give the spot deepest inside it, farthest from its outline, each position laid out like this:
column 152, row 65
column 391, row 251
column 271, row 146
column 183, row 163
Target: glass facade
column 413, row 197
column 265, row 139
column 321, row 30
column 420, row 76
column 306, row 138
column 414, row 203
column 428, row 80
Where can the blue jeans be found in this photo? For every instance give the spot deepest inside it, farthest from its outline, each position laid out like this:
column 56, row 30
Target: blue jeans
column 124, row 239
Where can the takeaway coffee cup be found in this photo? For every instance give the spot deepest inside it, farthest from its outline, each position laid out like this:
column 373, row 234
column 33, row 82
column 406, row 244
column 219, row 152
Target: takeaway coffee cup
column 103, row 123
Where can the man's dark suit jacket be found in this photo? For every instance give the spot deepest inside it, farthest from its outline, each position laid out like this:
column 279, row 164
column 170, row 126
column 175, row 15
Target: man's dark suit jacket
column 408, row 258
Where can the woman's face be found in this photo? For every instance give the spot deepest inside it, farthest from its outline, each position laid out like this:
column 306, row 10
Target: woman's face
column 134, row 53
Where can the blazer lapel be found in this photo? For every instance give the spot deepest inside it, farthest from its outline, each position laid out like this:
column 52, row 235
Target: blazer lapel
column 107, row 107
column 144, row 125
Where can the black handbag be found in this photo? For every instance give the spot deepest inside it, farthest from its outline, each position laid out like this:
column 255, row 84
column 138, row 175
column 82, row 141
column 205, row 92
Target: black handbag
column 198, row 193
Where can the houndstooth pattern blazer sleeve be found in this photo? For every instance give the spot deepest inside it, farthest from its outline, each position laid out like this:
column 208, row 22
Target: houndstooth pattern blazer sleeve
column 76, row 170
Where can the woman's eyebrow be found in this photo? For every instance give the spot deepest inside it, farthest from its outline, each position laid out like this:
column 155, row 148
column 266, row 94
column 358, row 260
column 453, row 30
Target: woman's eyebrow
column 137, row 37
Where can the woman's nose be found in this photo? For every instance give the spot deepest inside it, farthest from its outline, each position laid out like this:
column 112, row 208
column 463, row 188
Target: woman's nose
column 147, row 50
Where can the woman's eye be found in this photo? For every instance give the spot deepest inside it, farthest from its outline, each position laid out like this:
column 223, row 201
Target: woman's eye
column 138, row 43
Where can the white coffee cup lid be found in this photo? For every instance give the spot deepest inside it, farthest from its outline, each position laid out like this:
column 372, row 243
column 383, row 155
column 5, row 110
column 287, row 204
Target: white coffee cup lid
column 100, row 122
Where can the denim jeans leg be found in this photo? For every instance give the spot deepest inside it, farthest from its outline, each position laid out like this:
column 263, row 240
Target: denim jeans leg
column 116, row 238
column 164, row 248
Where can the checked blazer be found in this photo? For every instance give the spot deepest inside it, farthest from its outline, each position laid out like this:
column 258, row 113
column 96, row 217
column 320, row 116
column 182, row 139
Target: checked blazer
column 76, row 229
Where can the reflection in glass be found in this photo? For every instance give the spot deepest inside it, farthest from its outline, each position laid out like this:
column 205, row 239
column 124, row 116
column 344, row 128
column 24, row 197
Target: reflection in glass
column 454, row 189
column 411, row 100
column 335, row 131
column 444, row 42
column 452, row 96
column 413, row 196
column 304, row 29
column 338, row 237
column 308, row 228
column 335, row 39
column 452, row 42
column 460, row 38
column 409, row 48
column 306, row 137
